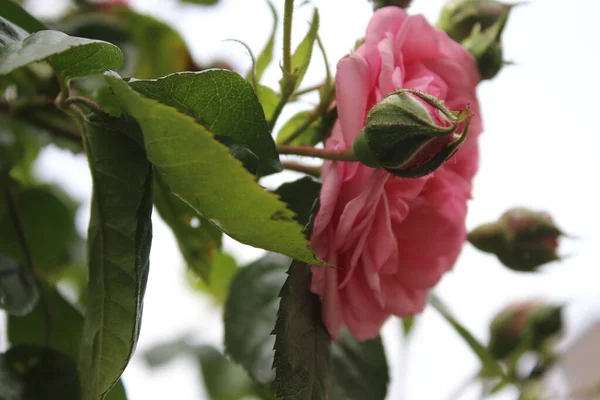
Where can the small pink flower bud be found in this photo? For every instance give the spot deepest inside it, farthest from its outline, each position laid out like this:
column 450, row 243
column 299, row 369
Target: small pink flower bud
column 410, row 133
column 522, row 239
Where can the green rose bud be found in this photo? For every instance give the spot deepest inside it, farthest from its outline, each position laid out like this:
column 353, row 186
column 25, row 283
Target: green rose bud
column 522, row 239
column 384, row 3
column 410, row 133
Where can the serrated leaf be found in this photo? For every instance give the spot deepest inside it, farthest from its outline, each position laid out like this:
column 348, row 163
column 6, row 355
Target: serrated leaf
column 266, row 56
column 301, row 57
column 18, row 290
column 71, row 57
column 488, row 361
column 360, row 368
column 302, row 350
column 250, row 314
column 197, row 237
column 310, row 136
column 268, row 99
column 199, row 170
column 119, row 244
column 225, row 104
column 44, row 374
column 16, row 14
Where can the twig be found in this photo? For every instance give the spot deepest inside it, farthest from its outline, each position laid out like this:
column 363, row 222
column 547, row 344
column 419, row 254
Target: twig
column 307, row 169
column 308, row 151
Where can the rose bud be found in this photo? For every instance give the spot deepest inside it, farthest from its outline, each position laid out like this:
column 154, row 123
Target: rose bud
column 459, row 17
column 526, row 326
column 384, row 3
column 522, row 239
column 410, row 133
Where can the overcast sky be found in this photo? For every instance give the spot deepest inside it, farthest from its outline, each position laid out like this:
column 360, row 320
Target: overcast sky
column 539, row 150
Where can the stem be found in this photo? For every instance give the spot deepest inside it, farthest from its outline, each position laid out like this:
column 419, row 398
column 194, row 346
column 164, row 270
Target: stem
column 298, row 167
column 287, row 35
column 28, row 257
column 282, row 102
column 79, row 100
column 308, row 151
column 307, row 90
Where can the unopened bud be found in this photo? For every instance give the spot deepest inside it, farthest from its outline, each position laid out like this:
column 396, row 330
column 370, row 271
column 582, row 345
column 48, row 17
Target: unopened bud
column 522, row 239
column 525, row 326
column 411, row 133
column 384, row 3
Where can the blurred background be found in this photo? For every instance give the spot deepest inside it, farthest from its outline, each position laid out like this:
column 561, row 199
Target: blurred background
column 538, row 150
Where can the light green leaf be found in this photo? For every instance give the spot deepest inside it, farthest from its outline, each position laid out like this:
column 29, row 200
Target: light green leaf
column 360, row 368
column 250, row 314
column 225, row 104
column 488, row 361
column 71, row 57
column 118, row 246
column 197, row 237
column 268, row 100
column 266, row 56
column 16, row 14
column 43, row 373
column 302, row 349
column 201, row 172
column 222, row 270
column 408, row 323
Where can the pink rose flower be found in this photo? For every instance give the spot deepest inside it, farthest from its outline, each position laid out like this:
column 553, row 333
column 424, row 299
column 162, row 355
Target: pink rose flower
column 391, row 239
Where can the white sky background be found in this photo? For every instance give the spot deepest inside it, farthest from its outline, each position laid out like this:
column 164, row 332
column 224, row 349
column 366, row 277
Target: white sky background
column 539, row 150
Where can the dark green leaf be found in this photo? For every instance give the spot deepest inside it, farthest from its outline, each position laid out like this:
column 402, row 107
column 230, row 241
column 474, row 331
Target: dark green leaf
column 63, row 325
column 300, row 196
column 302, row 350
column 160, row 48
column 14, row 13
column 197, row 237
column 119, row 244
column 359, row 368
column 251, row 312
column 222, row 271
column 266, row 56
column 200, row 171
column 268, row 100
column 48, row 219
column 44, row 374
column 225, row 104
column 488, row 361
column 310, row 136
column 18, row 290
column 71, row 57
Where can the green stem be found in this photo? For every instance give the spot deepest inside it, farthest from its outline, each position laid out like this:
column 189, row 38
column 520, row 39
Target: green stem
column 83, row 101
column 308, row 151
column 307, row 90
column 298, row 167
column 287, row 35
column 282, row 102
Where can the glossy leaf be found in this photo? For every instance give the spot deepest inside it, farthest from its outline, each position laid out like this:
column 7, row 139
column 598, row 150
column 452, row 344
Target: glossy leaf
column 360, row 368
column 197, row 237
column 250, row 314
column 302, row 349
column 266, row 56
column 200, row 171
column 18, row 290
column 44, row 374
column 118, row 246
column 16, row 14
column 225, row 104
column 71, row 57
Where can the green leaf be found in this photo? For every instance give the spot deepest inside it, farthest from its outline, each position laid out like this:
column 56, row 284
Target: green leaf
column 118, row 246
column 201, row 172
column 310, row 136
column 302, row 350
column 225, row 104
column 488, row 361
column 266, row 56
column 71, row 57
column 160, row 48
column 301, row 57
column 201, row 2
column 18, row 290
column 268, row 99
column 197, row 237
column 43, row 374
column 222, row 271
column 360, row 368
column 48, row 219
column 300, row 196
column 16, row 14
column 64, row 324
column 250, row 314
column 408, row 323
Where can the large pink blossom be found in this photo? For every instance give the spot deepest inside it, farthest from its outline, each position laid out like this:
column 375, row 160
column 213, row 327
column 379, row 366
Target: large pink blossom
column 391, row 239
